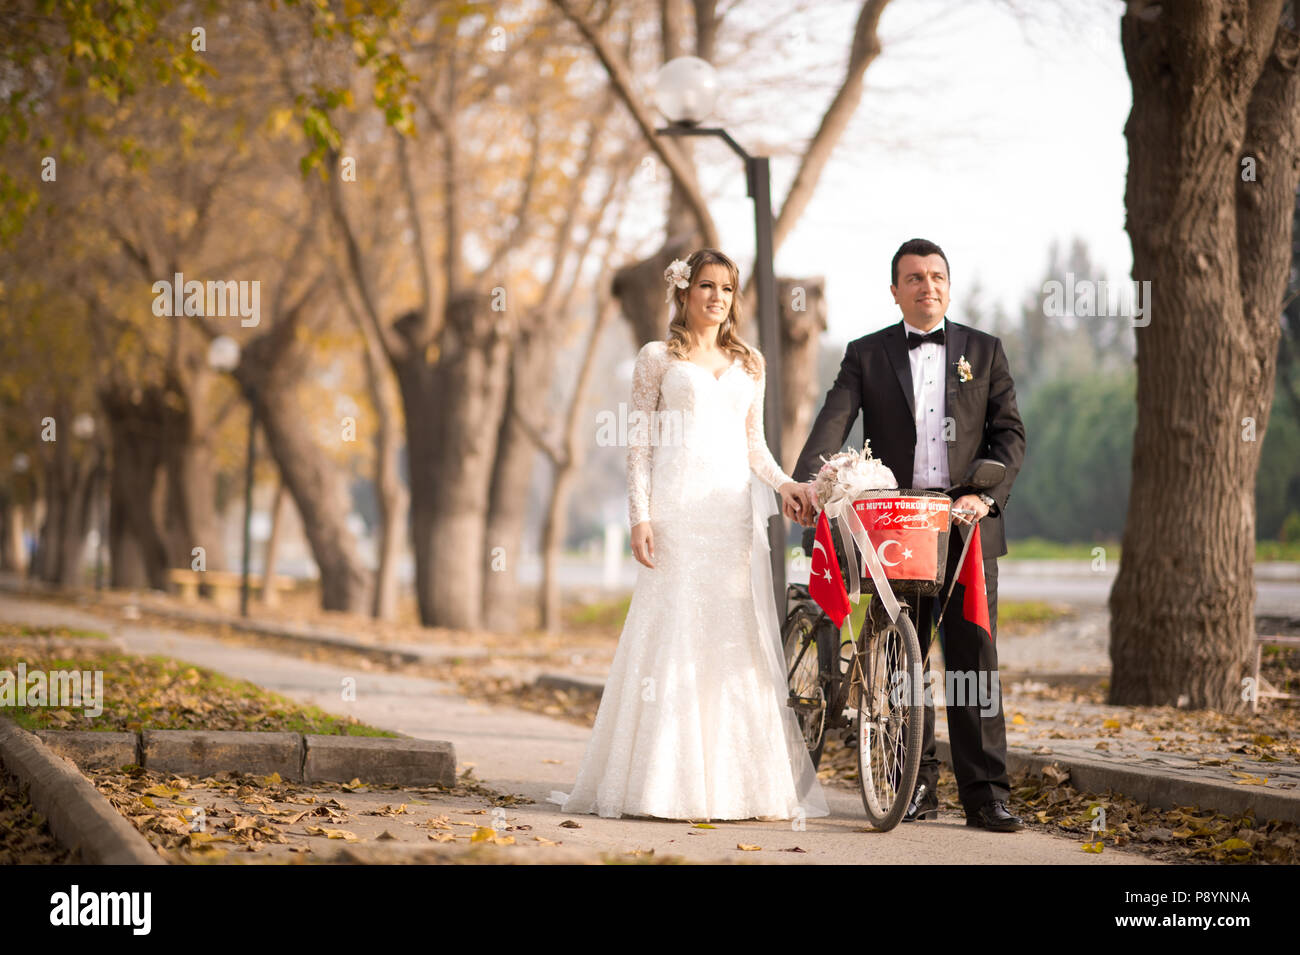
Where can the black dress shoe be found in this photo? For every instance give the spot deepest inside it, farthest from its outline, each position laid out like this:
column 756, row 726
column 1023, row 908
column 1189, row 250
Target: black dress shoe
column 924, row 804
column 993, row 815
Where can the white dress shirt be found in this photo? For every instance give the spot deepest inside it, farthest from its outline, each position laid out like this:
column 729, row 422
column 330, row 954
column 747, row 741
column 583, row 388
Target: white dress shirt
column 929, row 365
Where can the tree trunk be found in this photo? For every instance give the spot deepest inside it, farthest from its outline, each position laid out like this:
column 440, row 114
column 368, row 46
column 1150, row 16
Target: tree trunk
column 138, row 428
column 1213, row 82
column 78, row 507
column 553, row 533
column 271, row 596
column 393, row 503
column 11, row 533
column 55, row 491
column 567, row 459
column 389, row 492
column 317, row 486
column 447, row 400
column 801, row 307
column 528, row 392
column 190, row 472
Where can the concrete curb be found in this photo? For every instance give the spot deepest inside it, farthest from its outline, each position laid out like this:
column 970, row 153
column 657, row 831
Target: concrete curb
column 581, row 684
column 1157, row 789
column 297, row 757
column 77, row 813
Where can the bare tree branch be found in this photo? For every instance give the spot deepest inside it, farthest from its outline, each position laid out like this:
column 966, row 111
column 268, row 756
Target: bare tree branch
column 667, row 150
column 865, row 48
column 421, row 251
column 394, row 348
column 520, row 228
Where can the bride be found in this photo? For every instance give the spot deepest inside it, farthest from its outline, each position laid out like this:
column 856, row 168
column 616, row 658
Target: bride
column 693, row 723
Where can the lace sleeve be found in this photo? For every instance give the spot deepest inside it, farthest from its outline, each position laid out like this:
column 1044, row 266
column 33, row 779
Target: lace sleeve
column 646, row 377
column 760, row 458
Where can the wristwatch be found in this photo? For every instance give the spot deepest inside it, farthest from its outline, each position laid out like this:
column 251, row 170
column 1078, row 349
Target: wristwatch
column 988, row 501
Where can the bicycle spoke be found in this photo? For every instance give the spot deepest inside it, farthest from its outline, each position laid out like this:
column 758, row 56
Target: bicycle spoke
column 888, row 769
column 807, row 697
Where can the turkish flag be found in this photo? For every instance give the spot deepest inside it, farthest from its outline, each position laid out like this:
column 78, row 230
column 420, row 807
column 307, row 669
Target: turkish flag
column 825, row 582
column 975, row 602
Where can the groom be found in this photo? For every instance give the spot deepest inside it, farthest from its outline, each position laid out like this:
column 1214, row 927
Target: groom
column 934, row 396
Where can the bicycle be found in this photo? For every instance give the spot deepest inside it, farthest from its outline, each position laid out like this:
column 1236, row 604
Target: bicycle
column 884, row 659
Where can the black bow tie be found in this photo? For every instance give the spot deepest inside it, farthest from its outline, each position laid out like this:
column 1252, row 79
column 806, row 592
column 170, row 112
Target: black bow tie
column 915, row 341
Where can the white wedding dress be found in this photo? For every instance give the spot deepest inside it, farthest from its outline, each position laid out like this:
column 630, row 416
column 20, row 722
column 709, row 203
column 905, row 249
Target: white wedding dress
column 693, row 723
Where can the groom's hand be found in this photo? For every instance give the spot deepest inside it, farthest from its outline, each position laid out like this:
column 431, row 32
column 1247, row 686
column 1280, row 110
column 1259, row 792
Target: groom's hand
column 810, row 496
column 969, row 502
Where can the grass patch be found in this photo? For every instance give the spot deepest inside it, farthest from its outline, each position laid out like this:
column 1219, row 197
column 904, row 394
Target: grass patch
column 1277, row 550
column 1030, row 611
column 1038, row 548
column 603, row 614
column 157, row 692
column 63, row 633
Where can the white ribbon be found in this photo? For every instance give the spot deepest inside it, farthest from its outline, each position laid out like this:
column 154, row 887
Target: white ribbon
column 839, row 510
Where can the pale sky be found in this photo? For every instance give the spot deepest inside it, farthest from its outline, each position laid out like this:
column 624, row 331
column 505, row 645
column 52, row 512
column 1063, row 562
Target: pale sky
column 985, row 128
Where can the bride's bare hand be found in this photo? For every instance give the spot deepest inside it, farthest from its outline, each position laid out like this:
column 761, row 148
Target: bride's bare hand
column 793, row 503
column 643, row 543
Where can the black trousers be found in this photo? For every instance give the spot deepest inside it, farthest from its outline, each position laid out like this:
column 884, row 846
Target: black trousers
column 973, row 693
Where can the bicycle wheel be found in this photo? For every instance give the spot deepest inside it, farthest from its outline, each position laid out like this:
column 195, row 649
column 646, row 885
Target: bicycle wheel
column 807, row 667
column 890, row 720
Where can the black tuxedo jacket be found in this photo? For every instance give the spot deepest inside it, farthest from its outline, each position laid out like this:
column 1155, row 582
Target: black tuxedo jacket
column 876, row 379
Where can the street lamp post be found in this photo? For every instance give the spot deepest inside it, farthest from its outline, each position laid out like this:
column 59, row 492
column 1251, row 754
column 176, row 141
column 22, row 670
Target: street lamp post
column 83, row 426
column 685, row 92
column 223, row 355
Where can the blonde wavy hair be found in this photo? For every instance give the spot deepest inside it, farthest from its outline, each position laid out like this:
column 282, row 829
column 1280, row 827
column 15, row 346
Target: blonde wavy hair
column 728, row 338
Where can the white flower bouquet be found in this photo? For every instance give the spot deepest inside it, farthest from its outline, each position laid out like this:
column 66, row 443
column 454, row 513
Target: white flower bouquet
column 847, row 474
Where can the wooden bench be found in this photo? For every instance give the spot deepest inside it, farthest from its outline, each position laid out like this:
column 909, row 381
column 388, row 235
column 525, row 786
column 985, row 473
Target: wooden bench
column 1262, row 686
column 223, row 585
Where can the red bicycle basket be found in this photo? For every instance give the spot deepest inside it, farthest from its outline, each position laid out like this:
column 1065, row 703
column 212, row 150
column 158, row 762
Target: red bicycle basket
column 910, row 532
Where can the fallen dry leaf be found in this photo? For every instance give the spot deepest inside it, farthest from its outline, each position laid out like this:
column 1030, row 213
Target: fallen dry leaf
column 332, row 833
column 488, row 834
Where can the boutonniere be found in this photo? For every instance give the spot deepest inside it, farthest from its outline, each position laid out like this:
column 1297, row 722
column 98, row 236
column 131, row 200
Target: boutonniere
column 963, row 369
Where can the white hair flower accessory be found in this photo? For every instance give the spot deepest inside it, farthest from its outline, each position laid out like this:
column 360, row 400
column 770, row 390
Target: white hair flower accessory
column 677, row 275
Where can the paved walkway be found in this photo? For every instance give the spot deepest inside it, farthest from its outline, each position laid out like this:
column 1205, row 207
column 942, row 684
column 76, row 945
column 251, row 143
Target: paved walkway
column 529, row 754
column 1262, row 749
